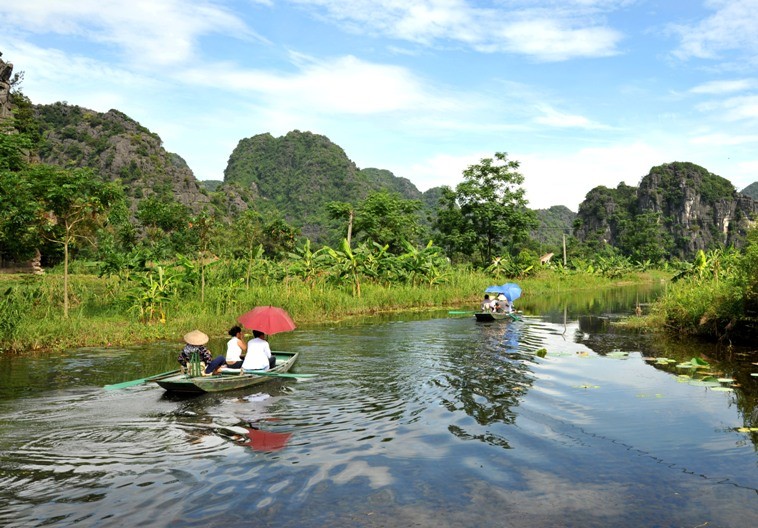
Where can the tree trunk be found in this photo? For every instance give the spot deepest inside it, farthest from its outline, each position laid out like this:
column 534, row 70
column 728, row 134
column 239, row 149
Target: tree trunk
column 65, row 278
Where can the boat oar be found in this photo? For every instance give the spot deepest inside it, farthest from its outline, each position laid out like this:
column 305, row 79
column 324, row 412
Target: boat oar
column 140, row 381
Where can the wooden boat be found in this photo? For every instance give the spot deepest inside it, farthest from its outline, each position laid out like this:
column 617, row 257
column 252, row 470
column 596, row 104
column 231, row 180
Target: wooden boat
column 229, row 379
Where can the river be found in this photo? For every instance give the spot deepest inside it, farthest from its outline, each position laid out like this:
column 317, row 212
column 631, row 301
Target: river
column 427, row 420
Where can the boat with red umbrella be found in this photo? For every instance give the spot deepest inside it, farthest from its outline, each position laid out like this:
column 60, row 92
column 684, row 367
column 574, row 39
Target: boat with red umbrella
column 267, row 319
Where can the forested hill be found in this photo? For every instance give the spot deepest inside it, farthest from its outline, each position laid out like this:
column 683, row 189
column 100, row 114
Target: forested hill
column 678, row 209
column 300, row 172
column 116, row 146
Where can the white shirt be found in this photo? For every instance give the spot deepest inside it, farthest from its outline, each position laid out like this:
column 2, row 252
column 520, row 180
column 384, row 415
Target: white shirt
column 257, row 356
column 233, row 350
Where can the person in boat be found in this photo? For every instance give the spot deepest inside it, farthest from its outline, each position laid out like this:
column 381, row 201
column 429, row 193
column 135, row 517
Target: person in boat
column 487, row 303
column 503, row 305
column 235, row 348
column 259, row 356
column 195, row 344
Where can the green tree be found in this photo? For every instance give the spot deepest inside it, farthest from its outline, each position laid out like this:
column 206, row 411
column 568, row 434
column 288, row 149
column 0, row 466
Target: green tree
column 18, row 204
column 388, row 219
column 74, row 203
column 19, row 212
column 487, row 212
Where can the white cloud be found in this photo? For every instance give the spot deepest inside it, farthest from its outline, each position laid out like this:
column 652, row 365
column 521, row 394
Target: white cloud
column 554, row 40
column 734, row 108
column 345, row 85
column 148, row 31
column 554, row 33
column 731, row 27
column 551, row 117
column 79, row 80
column 723, row 87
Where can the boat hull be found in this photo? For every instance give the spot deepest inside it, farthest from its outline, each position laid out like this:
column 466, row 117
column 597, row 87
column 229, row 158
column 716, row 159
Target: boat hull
column 486, row 317
column 222, row 382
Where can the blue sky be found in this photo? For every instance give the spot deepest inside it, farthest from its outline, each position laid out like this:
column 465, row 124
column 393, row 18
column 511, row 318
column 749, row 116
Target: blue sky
column 580, row 92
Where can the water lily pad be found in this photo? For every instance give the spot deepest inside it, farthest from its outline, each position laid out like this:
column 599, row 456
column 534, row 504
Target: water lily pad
column 587, row 386
column 542, row 352
column 747, row 429
column 722, row 389
column 617, row 354
column 686, row 365
column 726, row 380
column 698, row 363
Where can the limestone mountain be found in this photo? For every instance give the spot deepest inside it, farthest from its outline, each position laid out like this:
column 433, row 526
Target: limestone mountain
column 116, row 147
column 300, row 172
column 679, row 207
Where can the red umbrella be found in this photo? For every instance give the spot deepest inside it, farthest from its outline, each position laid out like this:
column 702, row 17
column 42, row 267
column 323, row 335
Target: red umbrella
column 267, row 319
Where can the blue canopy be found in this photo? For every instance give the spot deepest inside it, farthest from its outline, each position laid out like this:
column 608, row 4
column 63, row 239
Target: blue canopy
column 511, row 290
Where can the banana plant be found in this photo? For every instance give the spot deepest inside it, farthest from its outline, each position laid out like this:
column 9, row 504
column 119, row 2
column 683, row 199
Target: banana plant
column 150, row 296
column 307, row 264
column 346, row 265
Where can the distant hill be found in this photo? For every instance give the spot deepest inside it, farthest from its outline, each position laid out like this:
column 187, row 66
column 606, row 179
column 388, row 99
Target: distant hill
column 751, row 191
column 301, row 172
column 553, row 224
column 211, row 185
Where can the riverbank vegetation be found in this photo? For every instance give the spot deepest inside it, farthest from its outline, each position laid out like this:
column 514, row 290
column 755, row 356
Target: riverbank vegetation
column 119, row 272
column 716, row 297
column 165, row 301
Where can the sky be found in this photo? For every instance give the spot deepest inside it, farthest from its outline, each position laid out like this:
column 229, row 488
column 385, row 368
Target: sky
column 580, row 92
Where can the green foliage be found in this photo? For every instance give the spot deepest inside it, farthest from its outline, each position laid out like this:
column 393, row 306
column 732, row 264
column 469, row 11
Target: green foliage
column 553, row 224
column 643, row 238
column 151, row 293
column 388, row 219
column 163, row 213
column 716, row 296
column 13, row 306
column 487, row 211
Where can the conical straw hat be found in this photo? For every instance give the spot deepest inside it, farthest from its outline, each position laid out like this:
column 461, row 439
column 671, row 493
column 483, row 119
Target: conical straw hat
column 196, row 337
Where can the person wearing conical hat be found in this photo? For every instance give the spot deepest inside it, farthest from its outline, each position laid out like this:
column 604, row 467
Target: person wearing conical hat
column 195, row 344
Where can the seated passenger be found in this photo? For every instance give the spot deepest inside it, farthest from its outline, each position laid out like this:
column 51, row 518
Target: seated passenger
column 487, row 303
column 259, row 355
column 235, row 348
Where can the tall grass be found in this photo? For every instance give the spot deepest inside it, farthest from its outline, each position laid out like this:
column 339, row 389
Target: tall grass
column 100, row 313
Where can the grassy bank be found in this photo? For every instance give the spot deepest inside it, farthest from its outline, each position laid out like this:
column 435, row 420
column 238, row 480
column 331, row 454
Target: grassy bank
column 103, row 311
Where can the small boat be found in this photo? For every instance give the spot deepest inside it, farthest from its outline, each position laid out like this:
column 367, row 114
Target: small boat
column 228, row 379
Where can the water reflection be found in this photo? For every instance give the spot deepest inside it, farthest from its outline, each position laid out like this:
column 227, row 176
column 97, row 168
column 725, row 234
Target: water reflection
column 424, row 421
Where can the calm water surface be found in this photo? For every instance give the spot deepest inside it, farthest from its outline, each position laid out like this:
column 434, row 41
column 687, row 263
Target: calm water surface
column 427, row 420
